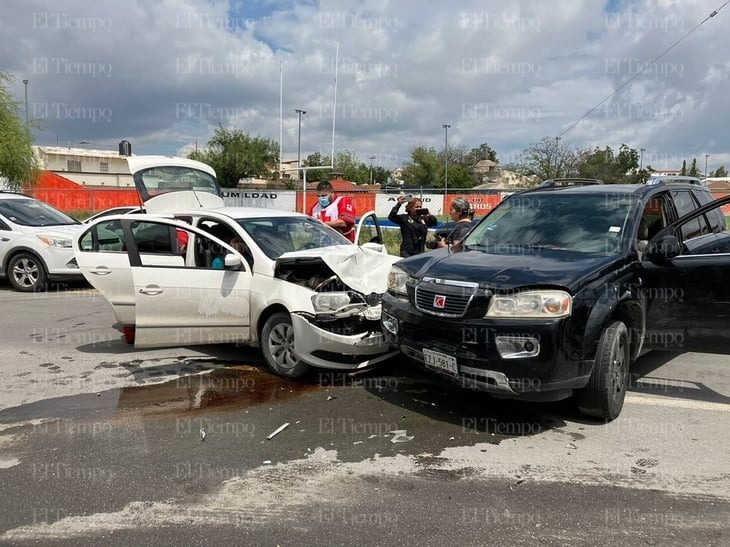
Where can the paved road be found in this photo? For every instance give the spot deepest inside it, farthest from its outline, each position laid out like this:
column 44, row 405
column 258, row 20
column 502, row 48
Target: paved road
column 100, row 444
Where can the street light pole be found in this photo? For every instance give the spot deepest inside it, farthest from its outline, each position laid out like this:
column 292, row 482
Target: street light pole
column 557, row 161
column 371, row 169
column 25, row 83
column 446, row 158
column 641, row 158
column 299, row 140
column 706, row 156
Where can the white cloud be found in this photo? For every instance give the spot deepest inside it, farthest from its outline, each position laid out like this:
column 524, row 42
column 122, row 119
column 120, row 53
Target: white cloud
column 163, row 74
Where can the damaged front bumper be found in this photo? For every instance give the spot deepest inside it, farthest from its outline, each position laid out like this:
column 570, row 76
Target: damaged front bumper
column 322, row 348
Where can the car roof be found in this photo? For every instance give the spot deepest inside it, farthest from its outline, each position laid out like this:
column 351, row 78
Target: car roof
column 604, row 189
column 242, row 212
column 5, row 194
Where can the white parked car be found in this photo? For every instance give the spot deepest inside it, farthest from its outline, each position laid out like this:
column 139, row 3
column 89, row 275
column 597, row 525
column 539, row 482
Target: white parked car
column 35, row 243
column 290, row 284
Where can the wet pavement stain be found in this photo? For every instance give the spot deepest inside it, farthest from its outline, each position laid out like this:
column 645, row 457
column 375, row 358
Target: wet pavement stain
column 228, row 388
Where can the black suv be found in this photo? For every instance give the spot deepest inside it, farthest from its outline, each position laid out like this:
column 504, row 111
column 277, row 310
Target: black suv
column 558, row 289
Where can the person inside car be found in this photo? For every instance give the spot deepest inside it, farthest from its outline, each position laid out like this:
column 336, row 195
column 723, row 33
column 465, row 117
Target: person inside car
column 413, row 225
column 219, row 261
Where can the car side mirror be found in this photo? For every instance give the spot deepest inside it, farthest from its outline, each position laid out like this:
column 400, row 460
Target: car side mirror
column 664, row 249
column 233, row 262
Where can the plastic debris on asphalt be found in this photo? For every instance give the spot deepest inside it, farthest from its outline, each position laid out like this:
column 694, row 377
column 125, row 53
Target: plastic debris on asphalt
column 399, row 436
column 278, row 430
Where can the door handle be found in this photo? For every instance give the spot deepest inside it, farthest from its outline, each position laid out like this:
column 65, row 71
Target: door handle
column 101, row 270
column 151, row 290
column 5, row 239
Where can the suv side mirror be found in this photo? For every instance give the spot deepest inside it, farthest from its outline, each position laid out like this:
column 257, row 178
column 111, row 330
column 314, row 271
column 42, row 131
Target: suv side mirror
column 664, row 249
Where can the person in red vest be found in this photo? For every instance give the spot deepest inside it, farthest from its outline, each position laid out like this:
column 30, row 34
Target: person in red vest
column 337, row 212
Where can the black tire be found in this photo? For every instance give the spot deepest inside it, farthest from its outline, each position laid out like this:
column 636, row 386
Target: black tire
column 26, row 273
column 604, row 395
column 277, row 345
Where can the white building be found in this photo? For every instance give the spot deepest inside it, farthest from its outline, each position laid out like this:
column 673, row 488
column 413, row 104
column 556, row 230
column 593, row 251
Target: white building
column 87, row 167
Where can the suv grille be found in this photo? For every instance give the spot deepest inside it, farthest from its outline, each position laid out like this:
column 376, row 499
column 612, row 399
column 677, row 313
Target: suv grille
column 444, row 298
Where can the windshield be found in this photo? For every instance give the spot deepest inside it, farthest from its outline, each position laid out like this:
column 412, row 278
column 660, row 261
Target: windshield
column 31, row 212
column 587, row 224
column 160, row 180
column 276, row 236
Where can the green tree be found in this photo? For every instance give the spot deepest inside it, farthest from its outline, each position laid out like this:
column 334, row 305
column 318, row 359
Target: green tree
column 693, row 171
column 459, row 177
column 19, row 164
column 482, row 152
column 719, row 172
column 548, row 159
column 683, row 171
column 423, row 168
column 235, row 155
column 604, row 164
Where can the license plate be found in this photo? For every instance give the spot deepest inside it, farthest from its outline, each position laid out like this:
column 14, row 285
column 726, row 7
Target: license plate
column 440, row 361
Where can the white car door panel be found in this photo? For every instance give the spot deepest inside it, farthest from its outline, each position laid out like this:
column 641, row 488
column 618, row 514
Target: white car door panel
column 183, row 300
column 184, row 306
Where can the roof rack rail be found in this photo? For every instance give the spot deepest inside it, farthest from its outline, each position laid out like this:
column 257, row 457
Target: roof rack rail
column 568, row 182
column 675, row 179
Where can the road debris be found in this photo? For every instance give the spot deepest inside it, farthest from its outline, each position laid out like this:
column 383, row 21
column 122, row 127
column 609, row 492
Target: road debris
column 202, row 434
column 278, row 430
column 399, row 436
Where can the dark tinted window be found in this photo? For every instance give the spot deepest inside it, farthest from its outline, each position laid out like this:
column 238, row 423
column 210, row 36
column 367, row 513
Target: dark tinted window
column 104, row 237
column 589, row 223
column 684, row 203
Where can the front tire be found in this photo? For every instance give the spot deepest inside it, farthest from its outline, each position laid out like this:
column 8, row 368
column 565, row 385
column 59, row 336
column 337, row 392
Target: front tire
column 604, row 395
column 277, row 345
column 26, row 273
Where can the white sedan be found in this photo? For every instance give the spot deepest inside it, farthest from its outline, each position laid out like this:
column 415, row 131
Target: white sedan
column 295, row 287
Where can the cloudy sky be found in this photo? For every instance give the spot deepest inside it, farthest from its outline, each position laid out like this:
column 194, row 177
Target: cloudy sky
column 163, row 74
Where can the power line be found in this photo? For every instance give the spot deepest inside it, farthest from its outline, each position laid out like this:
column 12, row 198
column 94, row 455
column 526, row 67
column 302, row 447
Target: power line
column 654, row 60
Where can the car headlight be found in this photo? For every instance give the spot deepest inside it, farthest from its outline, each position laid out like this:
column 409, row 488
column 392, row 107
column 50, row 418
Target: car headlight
column 55, row 241
column 531, row 304
column 397, row 280
column 324, row 302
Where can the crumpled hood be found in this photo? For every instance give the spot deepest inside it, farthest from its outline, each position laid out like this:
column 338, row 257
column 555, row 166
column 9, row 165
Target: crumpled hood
column 504, row 271
column 362, row 269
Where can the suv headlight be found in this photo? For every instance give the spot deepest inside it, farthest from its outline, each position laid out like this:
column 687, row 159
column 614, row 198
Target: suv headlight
column 397, row 280
column 55, row 241
column 531, row 304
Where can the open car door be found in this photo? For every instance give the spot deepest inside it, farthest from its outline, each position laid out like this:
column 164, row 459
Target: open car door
column 179, row 297
column 369, row 233
column 686, row 269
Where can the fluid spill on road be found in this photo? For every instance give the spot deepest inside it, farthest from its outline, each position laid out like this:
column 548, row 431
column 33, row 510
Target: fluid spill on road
column 231, row 387
column 224, row 388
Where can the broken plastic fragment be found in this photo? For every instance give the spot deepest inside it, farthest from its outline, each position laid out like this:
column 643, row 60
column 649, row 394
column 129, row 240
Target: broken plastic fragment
column 278, row 430
column 399, row 436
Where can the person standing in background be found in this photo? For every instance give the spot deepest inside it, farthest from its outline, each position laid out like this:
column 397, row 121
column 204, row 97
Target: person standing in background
column 461, row 213
column 413, row 225
column 337, row 212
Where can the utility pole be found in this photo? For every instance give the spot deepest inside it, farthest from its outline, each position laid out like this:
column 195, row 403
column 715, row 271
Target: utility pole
column 299, row 140
column 27, row 119
column 446, row 158
column 371, row 169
